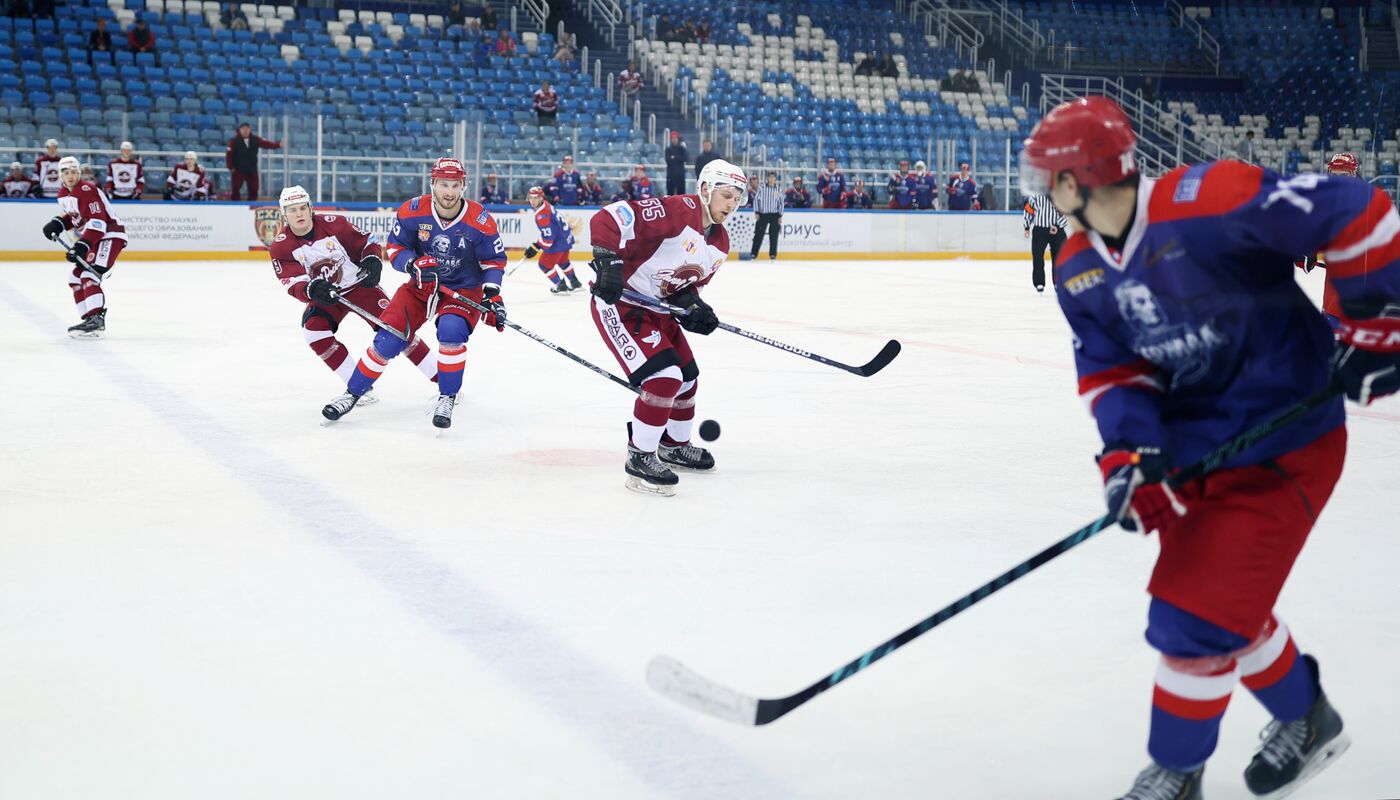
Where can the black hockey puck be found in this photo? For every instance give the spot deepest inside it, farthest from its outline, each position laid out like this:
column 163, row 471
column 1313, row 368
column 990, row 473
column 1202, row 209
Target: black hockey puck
column 709, row 430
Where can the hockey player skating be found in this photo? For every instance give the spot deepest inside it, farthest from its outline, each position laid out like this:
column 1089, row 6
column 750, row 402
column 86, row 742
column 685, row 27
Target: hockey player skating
column 666, row 249
column 101, row 238
column 439, row 239
column 321, row 258
column 1189, row 329
column 555, row 241
column 1339, row 164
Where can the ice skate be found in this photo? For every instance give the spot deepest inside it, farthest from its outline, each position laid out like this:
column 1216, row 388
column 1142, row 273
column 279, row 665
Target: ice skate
column 369, row 398
column 574, row 282
column 647, row 475
column 686, row 456
column 561, row 288
column 1295, row 751
column 340, row 406
column 1160, row 783
column 90, row 328
column 442, row 412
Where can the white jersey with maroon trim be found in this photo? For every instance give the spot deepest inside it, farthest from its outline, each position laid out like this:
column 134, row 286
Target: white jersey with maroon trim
column 23, row 186
column 125, row 179
column 46, row 173
column 188, row 184
column 88, row 213
column 663, row 243
column 332, row 249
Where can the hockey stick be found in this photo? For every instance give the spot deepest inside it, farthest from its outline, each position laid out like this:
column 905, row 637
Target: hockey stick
column 881, row 360
column 687, row 687
column 547, row 343
column 520, row 262
column 405, row 334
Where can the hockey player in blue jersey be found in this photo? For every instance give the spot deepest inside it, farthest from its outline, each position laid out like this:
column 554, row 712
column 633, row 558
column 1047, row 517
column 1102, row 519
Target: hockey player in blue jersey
column 565, row 188
column 555, row 241
column 492, row 192
column 924, row 185
column 440, row 239
column 901, row 187
column 1189, row 330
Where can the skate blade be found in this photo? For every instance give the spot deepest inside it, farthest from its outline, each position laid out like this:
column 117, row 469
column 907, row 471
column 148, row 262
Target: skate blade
column 643, row 487
column 1322, row 760
column 690, row 470
column 85, row 334
column 367, row 400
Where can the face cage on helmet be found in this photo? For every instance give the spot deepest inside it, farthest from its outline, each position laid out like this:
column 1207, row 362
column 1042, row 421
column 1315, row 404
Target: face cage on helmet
column 1034, row 180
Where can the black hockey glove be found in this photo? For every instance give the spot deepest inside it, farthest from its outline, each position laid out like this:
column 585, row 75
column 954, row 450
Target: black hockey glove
column 53, row 228
column 323, row 291
column 168, row 194
column 78, row 253
column 495, row 315
column 608, row 265
column 533, row 250
column 370, row 267
column 699, row 317
column 1367, row 364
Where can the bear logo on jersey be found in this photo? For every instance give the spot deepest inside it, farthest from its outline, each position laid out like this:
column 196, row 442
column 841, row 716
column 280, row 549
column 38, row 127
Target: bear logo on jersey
column 1184, row 350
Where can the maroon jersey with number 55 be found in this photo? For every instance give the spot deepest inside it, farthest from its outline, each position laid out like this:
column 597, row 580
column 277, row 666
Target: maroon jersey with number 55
column 663, row 242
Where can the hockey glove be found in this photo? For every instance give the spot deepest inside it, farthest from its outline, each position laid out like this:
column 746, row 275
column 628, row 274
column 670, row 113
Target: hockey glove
column 370, row 267
column 608, row 265
column 1367, row 365
column 78, row 253
column 167, row 194
column 699, row 317
column 323, row 291
column 533, row 250
column 495, row 315
column 53, row 228
column 424, row 270
column 1134, row 489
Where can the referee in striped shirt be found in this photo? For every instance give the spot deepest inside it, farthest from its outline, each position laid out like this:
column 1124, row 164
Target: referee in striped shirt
column 768, row 208
column 1044, row 225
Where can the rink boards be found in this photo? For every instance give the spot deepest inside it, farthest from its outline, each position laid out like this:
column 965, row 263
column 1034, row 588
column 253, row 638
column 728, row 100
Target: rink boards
column 218, row 231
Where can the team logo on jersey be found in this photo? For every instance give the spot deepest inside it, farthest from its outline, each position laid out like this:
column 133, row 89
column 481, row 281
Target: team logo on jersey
column 482, row 217
column 267, row 222
column 625, row 215
column 678, row 279
column 653, row 338
column 425, row 231
column 1184, row 349
column 1084, row 281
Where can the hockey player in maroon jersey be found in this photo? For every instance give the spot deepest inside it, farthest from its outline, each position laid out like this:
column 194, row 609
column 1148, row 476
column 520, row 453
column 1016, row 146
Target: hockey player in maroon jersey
column 666, row 249
column 20, row 183
column 101, row 238
column 187, row 180
column 126, row 178
column 46, row 169
column 320, row 258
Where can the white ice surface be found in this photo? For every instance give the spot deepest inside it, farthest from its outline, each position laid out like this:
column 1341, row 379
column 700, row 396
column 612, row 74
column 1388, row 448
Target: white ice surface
column 206, row 594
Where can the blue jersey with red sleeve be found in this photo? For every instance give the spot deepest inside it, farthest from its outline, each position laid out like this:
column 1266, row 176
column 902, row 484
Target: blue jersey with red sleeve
column 961, row 192
column 467, row 246
column 565, row 186
column 901, row 188
column 831, row 186
column 555, row 234
column 493, row 195
column 1197, row 331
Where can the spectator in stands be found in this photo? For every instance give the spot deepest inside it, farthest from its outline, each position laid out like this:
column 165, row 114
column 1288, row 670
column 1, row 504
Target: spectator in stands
column 140, row 39
column 664, row 30
column 676, row 158
column 456, row 13
column 592, row 191
column 688, row 34
column 505, row 44
column 702, row 32
column 546, row 105
column 233, row 18
column 1149, row 90
column 492, row 193
column 707, row 154
column 963, row 82
column 1247, row 147
column 630, row 81
column 241, row 158
column 566, row 51
column 798, row 196
column 867, row 65
column 888, row 68
column 488, row 17
column 100, row 41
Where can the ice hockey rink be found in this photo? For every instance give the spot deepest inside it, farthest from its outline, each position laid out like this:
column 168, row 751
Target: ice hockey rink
column 205, row 593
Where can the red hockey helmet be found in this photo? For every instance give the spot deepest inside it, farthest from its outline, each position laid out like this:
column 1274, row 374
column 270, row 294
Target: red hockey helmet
column 449, row 169
column 1089, row 137
column 1343, row 164
column 535, row 191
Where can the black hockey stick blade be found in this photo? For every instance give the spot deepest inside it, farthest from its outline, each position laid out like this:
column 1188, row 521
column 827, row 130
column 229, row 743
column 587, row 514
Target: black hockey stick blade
column 882, row 359
column 673, row 679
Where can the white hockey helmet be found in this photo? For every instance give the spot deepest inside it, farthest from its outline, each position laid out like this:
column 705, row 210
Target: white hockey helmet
column 68, row 162
column 291, row 196
column 721, row 173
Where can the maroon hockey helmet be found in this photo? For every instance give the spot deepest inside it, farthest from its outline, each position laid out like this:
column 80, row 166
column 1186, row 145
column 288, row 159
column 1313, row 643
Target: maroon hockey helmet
column 1343, row 164
column 449, row 169
column 1088, row 137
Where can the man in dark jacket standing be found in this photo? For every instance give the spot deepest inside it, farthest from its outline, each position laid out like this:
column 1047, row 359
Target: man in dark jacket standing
column 242, row 160
column 707, row 154
column 676, row 157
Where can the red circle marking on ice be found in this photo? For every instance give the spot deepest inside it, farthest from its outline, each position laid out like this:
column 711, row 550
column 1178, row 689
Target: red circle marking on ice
column 570, row 457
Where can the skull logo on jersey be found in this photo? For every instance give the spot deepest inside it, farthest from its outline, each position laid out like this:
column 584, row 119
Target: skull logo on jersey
column 440, row 247
column 1184, row 350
